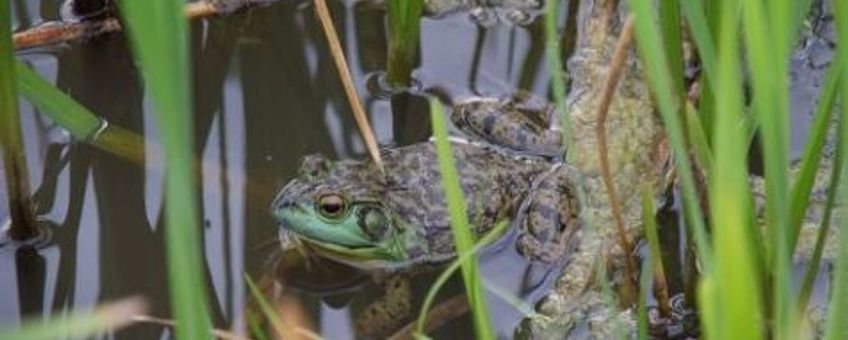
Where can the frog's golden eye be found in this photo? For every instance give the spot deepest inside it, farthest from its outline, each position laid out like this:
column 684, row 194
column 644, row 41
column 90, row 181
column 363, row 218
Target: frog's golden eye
column 332, row 205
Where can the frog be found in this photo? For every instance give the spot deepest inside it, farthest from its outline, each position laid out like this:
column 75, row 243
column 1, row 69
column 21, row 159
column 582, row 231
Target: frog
column 394, row 223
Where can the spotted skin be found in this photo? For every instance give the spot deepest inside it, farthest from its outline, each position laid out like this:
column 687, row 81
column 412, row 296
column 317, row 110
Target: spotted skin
column 521, row 126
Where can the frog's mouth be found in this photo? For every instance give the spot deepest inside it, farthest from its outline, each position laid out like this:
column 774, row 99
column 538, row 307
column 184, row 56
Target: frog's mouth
column 372, row 257
column 359, row 255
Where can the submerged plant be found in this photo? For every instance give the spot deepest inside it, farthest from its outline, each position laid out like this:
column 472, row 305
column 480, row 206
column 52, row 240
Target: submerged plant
column 11, row 140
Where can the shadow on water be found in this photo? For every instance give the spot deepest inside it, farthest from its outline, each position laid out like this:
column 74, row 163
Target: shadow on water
column 265, row 95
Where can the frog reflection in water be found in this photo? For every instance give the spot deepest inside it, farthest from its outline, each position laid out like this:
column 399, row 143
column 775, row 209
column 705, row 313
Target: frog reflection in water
column 397, row 223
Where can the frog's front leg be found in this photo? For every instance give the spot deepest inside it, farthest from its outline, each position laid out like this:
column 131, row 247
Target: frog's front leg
column 526, row 127
column 390, row 311
column 551, row 221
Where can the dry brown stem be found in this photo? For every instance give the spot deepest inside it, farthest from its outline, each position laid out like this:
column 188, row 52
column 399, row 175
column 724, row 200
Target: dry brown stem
column 613, row 77
column 344, row 73
column 56, row 32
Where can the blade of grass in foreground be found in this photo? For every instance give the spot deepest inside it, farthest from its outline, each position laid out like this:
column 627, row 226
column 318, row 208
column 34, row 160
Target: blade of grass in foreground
column 158, row 31
column 107, row 317
column 555, row 67
column 463, row 238
column 11, row 139
column 656, row 261
column 823, row 233
column 811, row 158
column 769, row 77
column 404, row 24
column 838, row 309
column 642, row 309
column 735, row 282
column 76, row 119
column 651, row 53
column 446, row 274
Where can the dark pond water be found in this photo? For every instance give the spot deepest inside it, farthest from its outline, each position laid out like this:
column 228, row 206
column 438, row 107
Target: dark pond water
column 265, row 94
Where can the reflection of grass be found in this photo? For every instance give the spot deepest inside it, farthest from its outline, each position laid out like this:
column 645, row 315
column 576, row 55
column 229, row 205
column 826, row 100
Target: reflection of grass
column 159, row 34
column 747, row 290
column 463, row 237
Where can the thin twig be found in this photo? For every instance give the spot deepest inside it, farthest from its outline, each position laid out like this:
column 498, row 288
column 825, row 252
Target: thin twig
column 55, row 32
column 347, row 82
column 613, row 77
column 448, row 310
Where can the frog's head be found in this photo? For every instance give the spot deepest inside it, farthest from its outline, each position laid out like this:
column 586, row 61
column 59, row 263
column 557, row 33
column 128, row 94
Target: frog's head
column 338, row 209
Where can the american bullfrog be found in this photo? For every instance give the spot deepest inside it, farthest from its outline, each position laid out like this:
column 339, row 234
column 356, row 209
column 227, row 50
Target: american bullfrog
column 397, row 221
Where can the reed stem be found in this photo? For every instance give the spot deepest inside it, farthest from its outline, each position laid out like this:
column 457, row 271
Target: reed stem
column 337, row 52
column 11, row 140
column 404, row 25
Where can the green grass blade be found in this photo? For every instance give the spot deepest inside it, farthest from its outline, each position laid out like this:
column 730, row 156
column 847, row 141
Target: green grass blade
column 254, row 325
column 81, row 123
column 404, row 28
column 555, row 65
column 736, row 284
column 653, row 265
column 670, row 26
column 446, row 274
column 811, row 158
column 110, row 316
column 697, row 20
column 838, row 309
column 698, row 139
column 656, row 256
column 768, row 64
column 463, row 238
column 11, row 139
column 708, row 308
column 159, row 33
column 814, row 264
column 642, row 322
column 651, row 52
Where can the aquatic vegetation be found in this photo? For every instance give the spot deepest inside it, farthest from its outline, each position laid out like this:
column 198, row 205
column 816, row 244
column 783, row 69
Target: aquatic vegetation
column 162, row 50
column 11, row 141
column 463, row 237
column 756, row 285
column 404, row 18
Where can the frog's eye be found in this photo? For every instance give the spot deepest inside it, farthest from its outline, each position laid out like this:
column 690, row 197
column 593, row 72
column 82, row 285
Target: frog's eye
column 332, row 205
